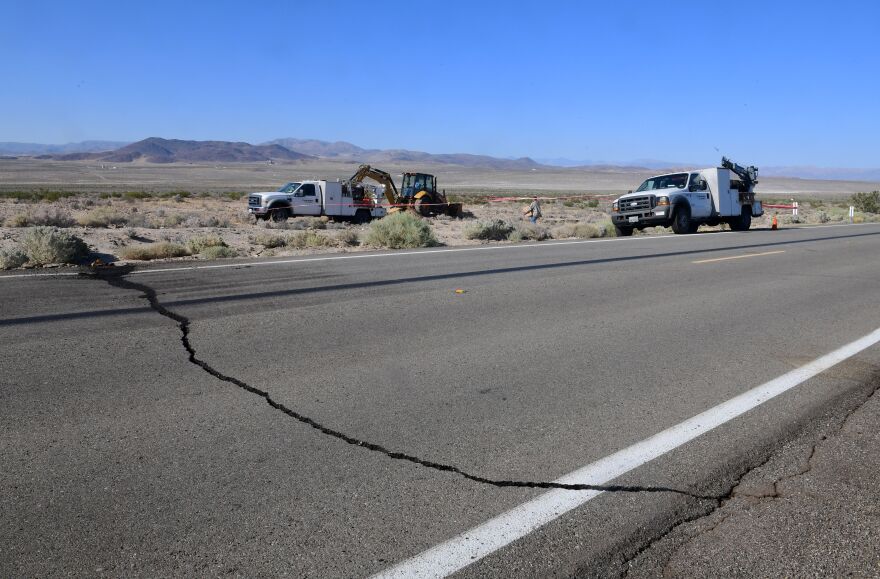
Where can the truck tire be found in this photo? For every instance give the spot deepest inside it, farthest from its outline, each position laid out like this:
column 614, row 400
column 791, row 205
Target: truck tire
column 744, row 221
column 622, row 231
column 279, row 214
column 423, row 206
column 362, row 216
column 681, row 221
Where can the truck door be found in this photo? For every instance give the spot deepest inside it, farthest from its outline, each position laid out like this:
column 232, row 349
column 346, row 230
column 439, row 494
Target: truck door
column 698, row 196
column 306, row 200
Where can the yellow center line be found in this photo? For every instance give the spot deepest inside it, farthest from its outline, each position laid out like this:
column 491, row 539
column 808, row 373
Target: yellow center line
column 738, row 256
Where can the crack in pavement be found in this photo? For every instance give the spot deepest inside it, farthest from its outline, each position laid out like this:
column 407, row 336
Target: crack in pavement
column 732, row 494
column 117, row 279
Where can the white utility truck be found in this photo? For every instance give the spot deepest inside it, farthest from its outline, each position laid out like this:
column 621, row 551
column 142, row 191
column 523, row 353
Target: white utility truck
column 687, row 200
column 332, row 198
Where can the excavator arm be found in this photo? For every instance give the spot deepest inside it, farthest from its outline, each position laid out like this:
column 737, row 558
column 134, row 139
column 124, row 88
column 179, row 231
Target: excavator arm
column 379, row 176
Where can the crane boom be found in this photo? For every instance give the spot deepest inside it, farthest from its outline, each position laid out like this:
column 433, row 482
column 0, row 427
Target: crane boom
column 749, row 175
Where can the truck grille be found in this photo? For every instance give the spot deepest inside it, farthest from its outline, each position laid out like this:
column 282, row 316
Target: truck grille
column 636, row 204
column 254, row 201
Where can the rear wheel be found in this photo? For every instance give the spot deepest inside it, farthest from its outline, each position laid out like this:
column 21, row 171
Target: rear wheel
column 622, row 231
column 744, row 221
column 361, row 216
column 681, row 222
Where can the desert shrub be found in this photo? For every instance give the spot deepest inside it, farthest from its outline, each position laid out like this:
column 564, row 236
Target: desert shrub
column 198, row 220
column 300, row 223
column 218, row 252
column 199, row 243
column 18, row 220
column 49, row 216
column 529, row 232
column 400, row 230
column 160, row 250
column 822, row 217
column 497, row 230
column 347, row 238
column 176, row 195
column 608, row 229
column 231, row 195
column 867, row 202
column 44, row 245
column 305, row 239
column 39, row 195
column 132, row 195
column 102, row 217
column 269, row 240
column 12, row 258
column 582, row 230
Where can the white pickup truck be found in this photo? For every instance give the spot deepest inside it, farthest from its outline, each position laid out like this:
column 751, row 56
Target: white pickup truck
column 332, row 198
column 686, row 200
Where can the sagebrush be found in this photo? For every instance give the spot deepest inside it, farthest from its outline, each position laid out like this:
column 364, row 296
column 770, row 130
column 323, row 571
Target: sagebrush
column 45, row 245
column 400, row 230
column 161, row 250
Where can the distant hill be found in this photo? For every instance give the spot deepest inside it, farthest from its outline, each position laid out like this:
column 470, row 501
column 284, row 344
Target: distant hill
column 157, row 150
column 68, row 148
column 342, row 150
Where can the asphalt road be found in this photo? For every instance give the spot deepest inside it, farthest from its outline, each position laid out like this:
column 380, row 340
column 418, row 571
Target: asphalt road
column 401, row 412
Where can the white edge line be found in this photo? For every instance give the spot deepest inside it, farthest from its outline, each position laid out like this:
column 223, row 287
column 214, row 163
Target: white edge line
column 470, row 546
column 246, row 264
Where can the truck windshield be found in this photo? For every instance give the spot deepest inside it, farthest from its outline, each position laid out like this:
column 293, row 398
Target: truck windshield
column 678, row 181
column 289, row 188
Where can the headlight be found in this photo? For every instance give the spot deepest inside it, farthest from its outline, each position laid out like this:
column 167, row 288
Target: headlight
column 615, row 205
column 661, row 201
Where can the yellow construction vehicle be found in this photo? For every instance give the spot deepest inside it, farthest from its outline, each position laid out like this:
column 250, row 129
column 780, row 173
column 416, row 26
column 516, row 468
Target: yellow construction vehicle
column 419, row 192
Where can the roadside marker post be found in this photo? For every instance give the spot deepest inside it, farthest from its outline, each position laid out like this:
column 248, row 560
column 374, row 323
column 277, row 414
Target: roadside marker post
column 852, row 213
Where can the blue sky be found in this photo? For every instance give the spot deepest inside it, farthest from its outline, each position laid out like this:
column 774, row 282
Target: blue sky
column 770, row 83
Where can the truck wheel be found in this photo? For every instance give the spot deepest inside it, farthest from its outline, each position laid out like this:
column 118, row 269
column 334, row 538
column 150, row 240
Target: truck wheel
column 423, row 206
column 280, row 214
column 622, row 231
column 681, row 223
column 744, row 221
column 361, row 216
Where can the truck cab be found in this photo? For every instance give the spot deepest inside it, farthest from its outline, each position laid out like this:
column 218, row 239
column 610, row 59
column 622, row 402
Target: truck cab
column 688, row 199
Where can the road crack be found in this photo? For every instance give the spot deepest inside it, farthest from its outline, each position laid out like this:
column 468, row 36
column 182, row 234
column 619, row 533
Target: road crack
column 117, row 279
column 772, row 495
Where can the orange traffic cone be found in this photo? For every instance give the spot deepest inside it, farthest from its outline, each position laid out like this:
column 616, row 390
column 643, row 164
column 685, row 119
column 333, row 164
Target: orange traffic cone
column 774, row 224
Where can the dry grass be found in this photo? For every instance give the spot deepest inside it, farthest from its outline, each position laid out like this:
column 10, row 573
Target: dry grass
column 42, row 216
column 162, row 250
column 580, row 230
column 218, row 252
column 497, row 230
column 200, row 243
column 102, row 217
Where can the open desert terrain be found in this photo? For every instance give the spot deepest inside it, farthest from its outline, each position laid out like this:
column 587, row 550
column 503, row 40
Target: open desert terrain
column 121, row 209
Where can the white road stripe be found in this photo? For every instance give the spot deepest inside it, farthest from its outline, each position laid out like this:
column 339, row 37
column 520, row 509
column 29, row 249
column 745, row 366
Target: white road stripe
column 470, row 546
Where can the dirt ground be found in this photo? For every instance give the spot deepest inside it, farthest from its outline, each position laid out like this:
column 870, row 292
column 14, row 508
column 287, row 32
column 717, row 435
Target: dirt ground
column 110, row 225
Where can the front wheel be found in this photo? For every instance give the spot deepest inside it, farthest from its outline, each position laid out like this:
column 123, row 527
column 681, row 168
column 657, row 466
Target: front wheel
column 622, row 231
column 280, row 214
column 682, row 223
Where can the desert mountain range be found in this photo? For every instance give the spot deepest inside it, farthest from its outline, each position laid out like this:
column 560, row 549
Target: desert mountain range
column 159, row 150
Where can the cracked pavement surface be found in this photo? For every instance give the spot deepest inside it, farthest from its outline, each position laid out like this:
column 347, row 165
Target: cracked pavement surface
column 400, row 413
